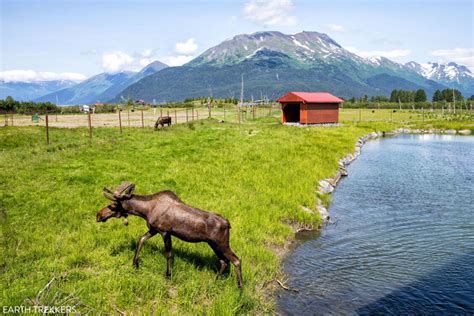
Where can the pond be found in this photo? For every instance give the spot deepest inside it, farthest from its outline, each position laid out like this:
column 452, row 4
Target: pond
column 401, row 237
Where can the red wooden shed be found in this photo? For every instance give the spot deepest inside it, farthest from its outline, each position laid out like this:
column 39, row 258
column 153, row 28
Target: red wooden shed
column 310, row 107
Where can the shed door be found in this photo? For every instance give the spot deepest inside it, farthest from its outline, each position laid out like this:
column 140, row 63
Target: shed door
column 291, row 112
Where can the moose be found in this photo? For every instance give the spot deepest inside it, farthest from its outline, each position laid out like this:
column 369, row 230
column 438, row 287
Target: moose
column 161, row 121
column 166, row 214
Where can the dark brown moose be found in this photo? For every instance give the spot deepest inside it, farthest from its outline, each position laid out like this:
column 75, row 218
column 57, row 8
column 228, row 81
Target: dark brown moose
column 161, row 121
column 167, row 215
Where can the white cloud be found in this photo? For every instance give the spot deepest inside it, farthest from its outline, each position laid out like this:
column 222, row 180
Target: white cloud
column 186, row 48
column 269, row 12
column 177, row 60
column 147, row 53
column 185, row 52
column 116, row 61
column 146, row 61
column 35, row 76
column 396, row 53
column 463, row 56
column 335, row 27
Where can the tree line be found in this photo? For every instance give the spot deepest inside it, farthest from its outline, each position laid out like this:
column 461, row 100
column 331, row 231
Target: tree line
column 406, row 96
column 448, row 95
column 26, row 107
column 418, row 97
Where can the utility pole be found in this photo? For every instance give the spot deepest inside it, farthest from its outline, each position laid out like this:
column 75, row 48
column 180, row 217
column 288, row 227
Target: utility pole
column 241, row 97
column 454, row 102
column 209, row 103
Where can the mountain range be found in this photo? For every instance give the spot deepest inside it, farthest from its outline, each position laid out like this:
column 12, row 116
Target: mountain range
column 270, row 63
column 273, row 63
column 27, row 91
column 101, row 87
column 450, row 74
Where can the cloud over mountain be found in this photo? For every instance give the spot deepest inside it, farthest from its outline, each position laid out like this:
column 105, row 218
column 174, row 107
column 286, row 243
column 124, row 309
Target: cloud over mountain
column 463, row 56
column 18, row 75
column 117, row 61
column 269, row 12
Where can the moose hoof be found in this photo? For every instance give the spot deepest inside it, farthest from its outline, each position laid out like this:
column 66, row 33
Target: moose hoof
column 135, row 265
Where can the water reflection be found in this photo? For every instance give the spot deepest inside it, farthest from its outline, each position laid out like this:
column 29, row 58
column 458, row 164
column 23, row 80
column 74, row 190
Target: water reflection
column 404, row 237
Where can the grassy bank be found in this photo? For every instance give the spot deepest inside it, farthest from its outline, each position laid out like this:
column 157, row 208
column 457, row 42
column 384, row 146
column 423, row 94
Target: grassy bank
column 256, row 175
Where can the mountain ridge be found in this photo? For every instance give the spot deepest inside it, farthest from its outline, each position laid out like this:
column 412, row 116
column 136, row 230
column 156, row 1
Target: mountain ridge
column 26, row 91
column 451, row 74
column 101, row 87
column 274, row 63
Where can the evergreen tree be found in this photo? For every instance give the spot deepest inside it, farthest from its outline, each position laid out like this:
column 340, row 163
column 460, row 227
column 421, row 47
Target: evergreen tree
column 420, row 95
column 437, row 96
column 394, row 96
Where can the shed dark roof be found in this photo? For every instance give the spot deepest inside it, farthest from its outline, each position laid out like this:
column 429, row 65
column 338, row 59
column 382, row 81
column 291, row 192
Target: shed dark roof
column 310, row 97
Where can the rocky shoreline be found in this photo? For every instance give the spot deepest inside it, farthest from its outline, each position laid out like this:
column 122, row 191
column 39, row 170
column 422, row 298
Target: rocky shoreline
column 327, row 186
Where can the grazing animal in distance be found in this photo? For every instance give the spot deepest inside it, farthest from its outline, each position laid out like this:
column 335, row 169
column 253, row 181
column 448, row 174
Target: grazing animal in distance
column 161, row 121
column 167, row 215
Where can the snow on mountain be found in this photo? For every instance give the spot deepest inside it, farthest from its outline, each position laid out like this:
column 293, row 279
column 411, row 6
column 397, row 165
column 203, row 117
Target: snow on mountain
column 437, row 71
column 304, row 47
column 449, row 74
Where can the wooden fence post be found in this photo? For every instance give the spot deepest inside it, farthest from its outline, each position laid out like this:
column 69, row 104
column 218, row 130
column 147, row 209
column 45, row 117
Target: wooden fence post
column 90, row 126
column 238, row 113
column 224, row 112
column 47, row 127
column 6, row 119
column 192, row 113
column 175, row 117
column 186, row 115
column 209, row 108
column 143, row 122
column 120, row 120
column 128, row 115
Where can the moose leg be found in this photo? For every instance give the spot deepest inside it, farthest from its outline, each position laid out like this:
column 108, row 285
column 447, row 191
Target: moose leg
column 141, row 241
column 168, row 254
column 230, row 255
column 223, row 261
column 223, row 266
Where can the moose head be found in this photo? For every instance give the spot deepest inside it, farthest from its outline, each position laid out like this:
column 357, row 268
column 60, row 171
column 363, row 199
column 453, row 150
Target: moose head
column 115, row 209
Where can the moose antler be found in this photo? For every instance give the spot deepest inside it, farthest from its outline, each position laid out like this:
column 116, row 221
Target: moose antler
column 109, row 194
column 124, row 191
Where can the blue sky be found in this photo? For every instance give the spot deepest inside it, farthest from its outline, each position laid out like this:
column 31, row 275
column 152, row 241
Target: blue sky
column 77, row 39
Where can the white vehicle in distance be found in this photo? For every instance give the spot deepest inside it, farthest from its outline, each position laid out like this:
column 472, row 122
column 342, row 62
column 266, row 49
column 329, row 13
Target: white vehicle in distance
column 85, row 108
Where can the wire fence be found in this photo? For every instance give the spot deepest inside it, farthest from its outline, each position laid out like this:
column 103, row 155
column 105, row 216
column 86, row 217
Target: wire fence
column 124, row 119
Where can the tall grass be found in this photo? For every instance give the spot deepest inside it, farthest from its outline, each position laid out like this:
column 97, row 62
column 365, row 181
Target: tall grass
column 256, row 175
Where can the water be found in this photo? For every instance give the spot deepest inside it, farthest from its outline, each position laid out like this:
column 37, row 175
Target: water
column 402, row 241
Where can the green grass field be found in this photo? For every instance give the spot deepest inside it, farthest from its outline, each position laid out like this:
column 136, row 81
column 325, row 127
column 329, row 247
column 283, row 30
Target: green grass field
column 256, row 175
